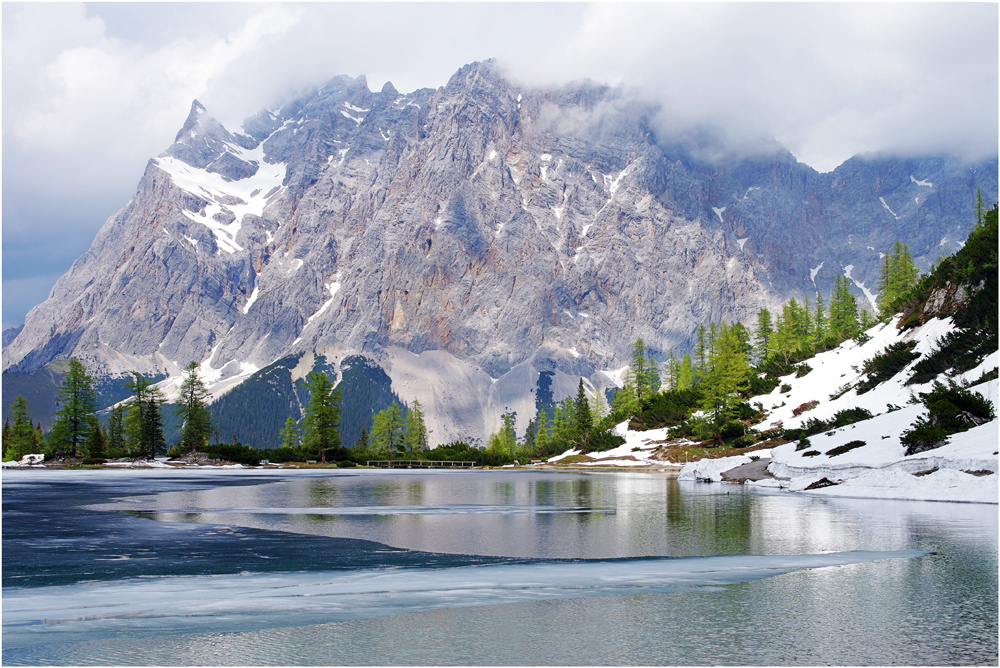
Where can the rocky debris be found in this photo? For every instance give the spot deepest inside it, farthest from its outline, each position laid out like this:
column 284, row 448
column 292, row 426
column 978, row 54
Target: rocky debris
column 821, row 483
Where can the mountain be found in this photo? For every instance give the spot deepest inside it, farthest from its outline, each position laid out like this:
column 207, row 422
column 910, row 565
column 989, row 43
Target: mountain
column 467, row 240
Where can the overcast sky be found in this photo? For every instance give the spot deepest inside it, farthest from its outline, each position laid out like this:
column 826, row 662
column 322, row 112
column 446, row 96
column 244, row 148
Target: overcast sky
column 92, row 91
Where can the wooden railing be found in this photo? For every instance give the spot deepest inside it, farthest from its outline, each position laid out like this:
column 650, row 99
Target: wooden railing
column 418, row 464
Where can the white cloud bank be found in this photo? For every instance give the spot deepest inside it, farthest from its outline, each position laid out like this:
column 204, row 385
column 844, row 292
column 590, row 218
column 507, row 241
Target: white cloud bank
column 91, row 92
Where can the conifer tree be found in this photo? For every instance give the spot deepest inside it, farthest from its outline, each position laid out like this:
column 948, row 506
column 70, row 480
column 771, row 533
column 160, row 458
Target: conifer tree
column 898, row 276
column 115, row 441
column 598, row 406
column 584, row 420
column 77, row 403
column 388, row 427
column 361, row 445
column 673, row 368
column 819, row 321
column 193, row 410
column 763, row 335
column 143, row 421
column 685, row 377
column 20, row 438
column 321, row 423
column 727, row 377
column 415, row 436
column 290, row 433
column 542, row 430
column 95, row 439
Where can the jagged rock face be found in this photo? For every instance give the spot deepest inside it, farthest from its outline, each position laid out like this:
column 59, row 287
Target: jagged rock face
column 498, row 224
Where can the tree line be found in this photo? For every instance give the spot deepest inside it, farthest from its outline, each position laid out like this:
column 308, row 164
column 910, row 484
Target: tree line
column 727, row 362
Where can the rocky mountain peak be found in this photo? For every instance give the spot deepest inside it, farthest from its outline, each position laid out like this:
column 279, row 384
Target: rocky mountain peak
column 467, row 239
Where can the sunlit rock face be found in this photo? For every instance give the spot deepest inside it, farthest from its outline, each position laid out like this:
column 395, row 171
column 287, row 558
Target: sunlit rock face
column 506, row 228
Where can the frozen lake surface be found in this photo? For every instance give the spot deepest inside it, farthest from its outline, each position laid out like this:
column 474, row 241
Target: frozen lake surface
column 507, row 567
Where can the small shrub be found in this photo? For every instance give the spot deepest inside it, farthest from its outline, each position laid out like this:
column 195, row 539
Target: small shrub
column 846, row 447
column 979, row 473
column 887, row 364
column 841, row 391
column 345, row 464
column 814, row 426
column 732, row 429
column 754, row 458
column 785, row 389
column 810, row 453
column 802, row 445
column 950, row 410
column 807, row 406
column 744, row 441
column 802, row 370
column 850, row 416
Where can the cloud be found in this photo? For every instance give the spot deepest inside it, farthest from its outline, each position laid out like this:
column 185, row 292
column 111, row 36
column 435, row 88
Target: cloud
column 91, row 92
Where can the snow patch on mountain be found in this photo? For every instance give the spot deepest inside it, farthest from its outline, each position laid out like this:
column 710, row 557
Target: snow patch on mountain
column 921, row 183
column 248, row 196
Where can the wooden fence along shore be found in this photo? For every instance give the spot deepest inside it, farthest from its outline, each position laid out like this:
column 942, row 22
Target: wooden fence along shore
column 418, row 464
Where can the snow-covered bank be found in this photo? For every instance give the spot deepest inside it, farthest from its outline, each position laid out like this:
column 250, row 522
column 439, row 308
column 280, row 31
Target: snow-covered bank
column 963, row 469
column 638, row 450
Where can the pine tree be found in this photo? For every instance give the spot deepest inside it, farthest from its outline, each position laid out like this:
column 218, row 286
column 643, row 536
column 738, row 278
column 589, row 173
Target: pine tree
column 77, row 403
column 898, row 276
column 115, row 442
column 843, row 310
column 388, row 427
column 20, row 438
column 673, row 368
column 542, row 430
column 584, row 420
column 819, row 321
column 763, row 335
column 361, row 446
column 980, row 209
column 598, row 406
column 726, row 378
column 685, row 377
column 415, row 436
column 290, row 433
column 143, row 422
column 95, row 439
column 321, row 423
column 193, row 410
column 652, row 377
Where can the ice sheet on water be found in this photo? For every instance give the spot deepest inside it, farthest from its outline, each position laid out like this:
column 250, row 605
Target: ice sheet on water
column 249, row 601
column 446, row 509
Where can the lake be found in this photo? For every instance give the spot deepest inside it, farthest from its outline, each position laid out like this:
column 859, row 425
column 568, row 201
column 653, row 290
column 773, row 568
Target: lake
column 254, row 567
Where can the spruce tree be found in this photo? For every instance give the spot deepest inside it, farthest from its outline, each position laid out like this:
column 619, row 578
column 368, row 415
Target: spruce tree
column 193, row 410
column 77, row 402
column 763, row 335
column 685, row 377
column 584, row 420
column 95, row 439
column 115, row 442
column 361, row 446
column 20, row 439
column 898, row 276
column 290, row 433
column 143, row 422
column 321, row 424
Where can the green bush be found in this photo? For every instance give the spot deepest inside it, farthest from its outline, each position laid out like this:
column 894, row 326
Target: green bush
column 887, row 364
column 802, row 445
column 802, row 370
column 846, row 447
column 950, row 410
column 849, row 416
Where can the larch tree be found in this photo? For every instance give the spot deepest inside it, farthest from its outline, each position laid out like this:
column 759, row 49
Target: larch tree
column 143, row 421
column 321, row 423
column 77, row 402
column 193, row 410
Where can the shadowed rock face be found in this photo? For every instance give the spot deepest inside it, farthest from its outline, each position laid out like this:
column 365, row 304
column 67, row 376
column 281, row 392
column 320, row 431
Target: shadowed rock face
column 498, row 224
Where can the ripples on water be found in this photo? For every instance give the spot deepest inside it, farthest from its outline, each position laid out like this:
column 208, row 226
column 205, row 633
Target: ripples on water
column 461, row 572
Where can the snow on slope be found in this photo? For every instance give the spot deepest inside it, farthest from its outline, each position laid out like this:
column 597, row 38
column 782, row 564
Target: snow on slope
column 245, row 196
column 879, row 469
